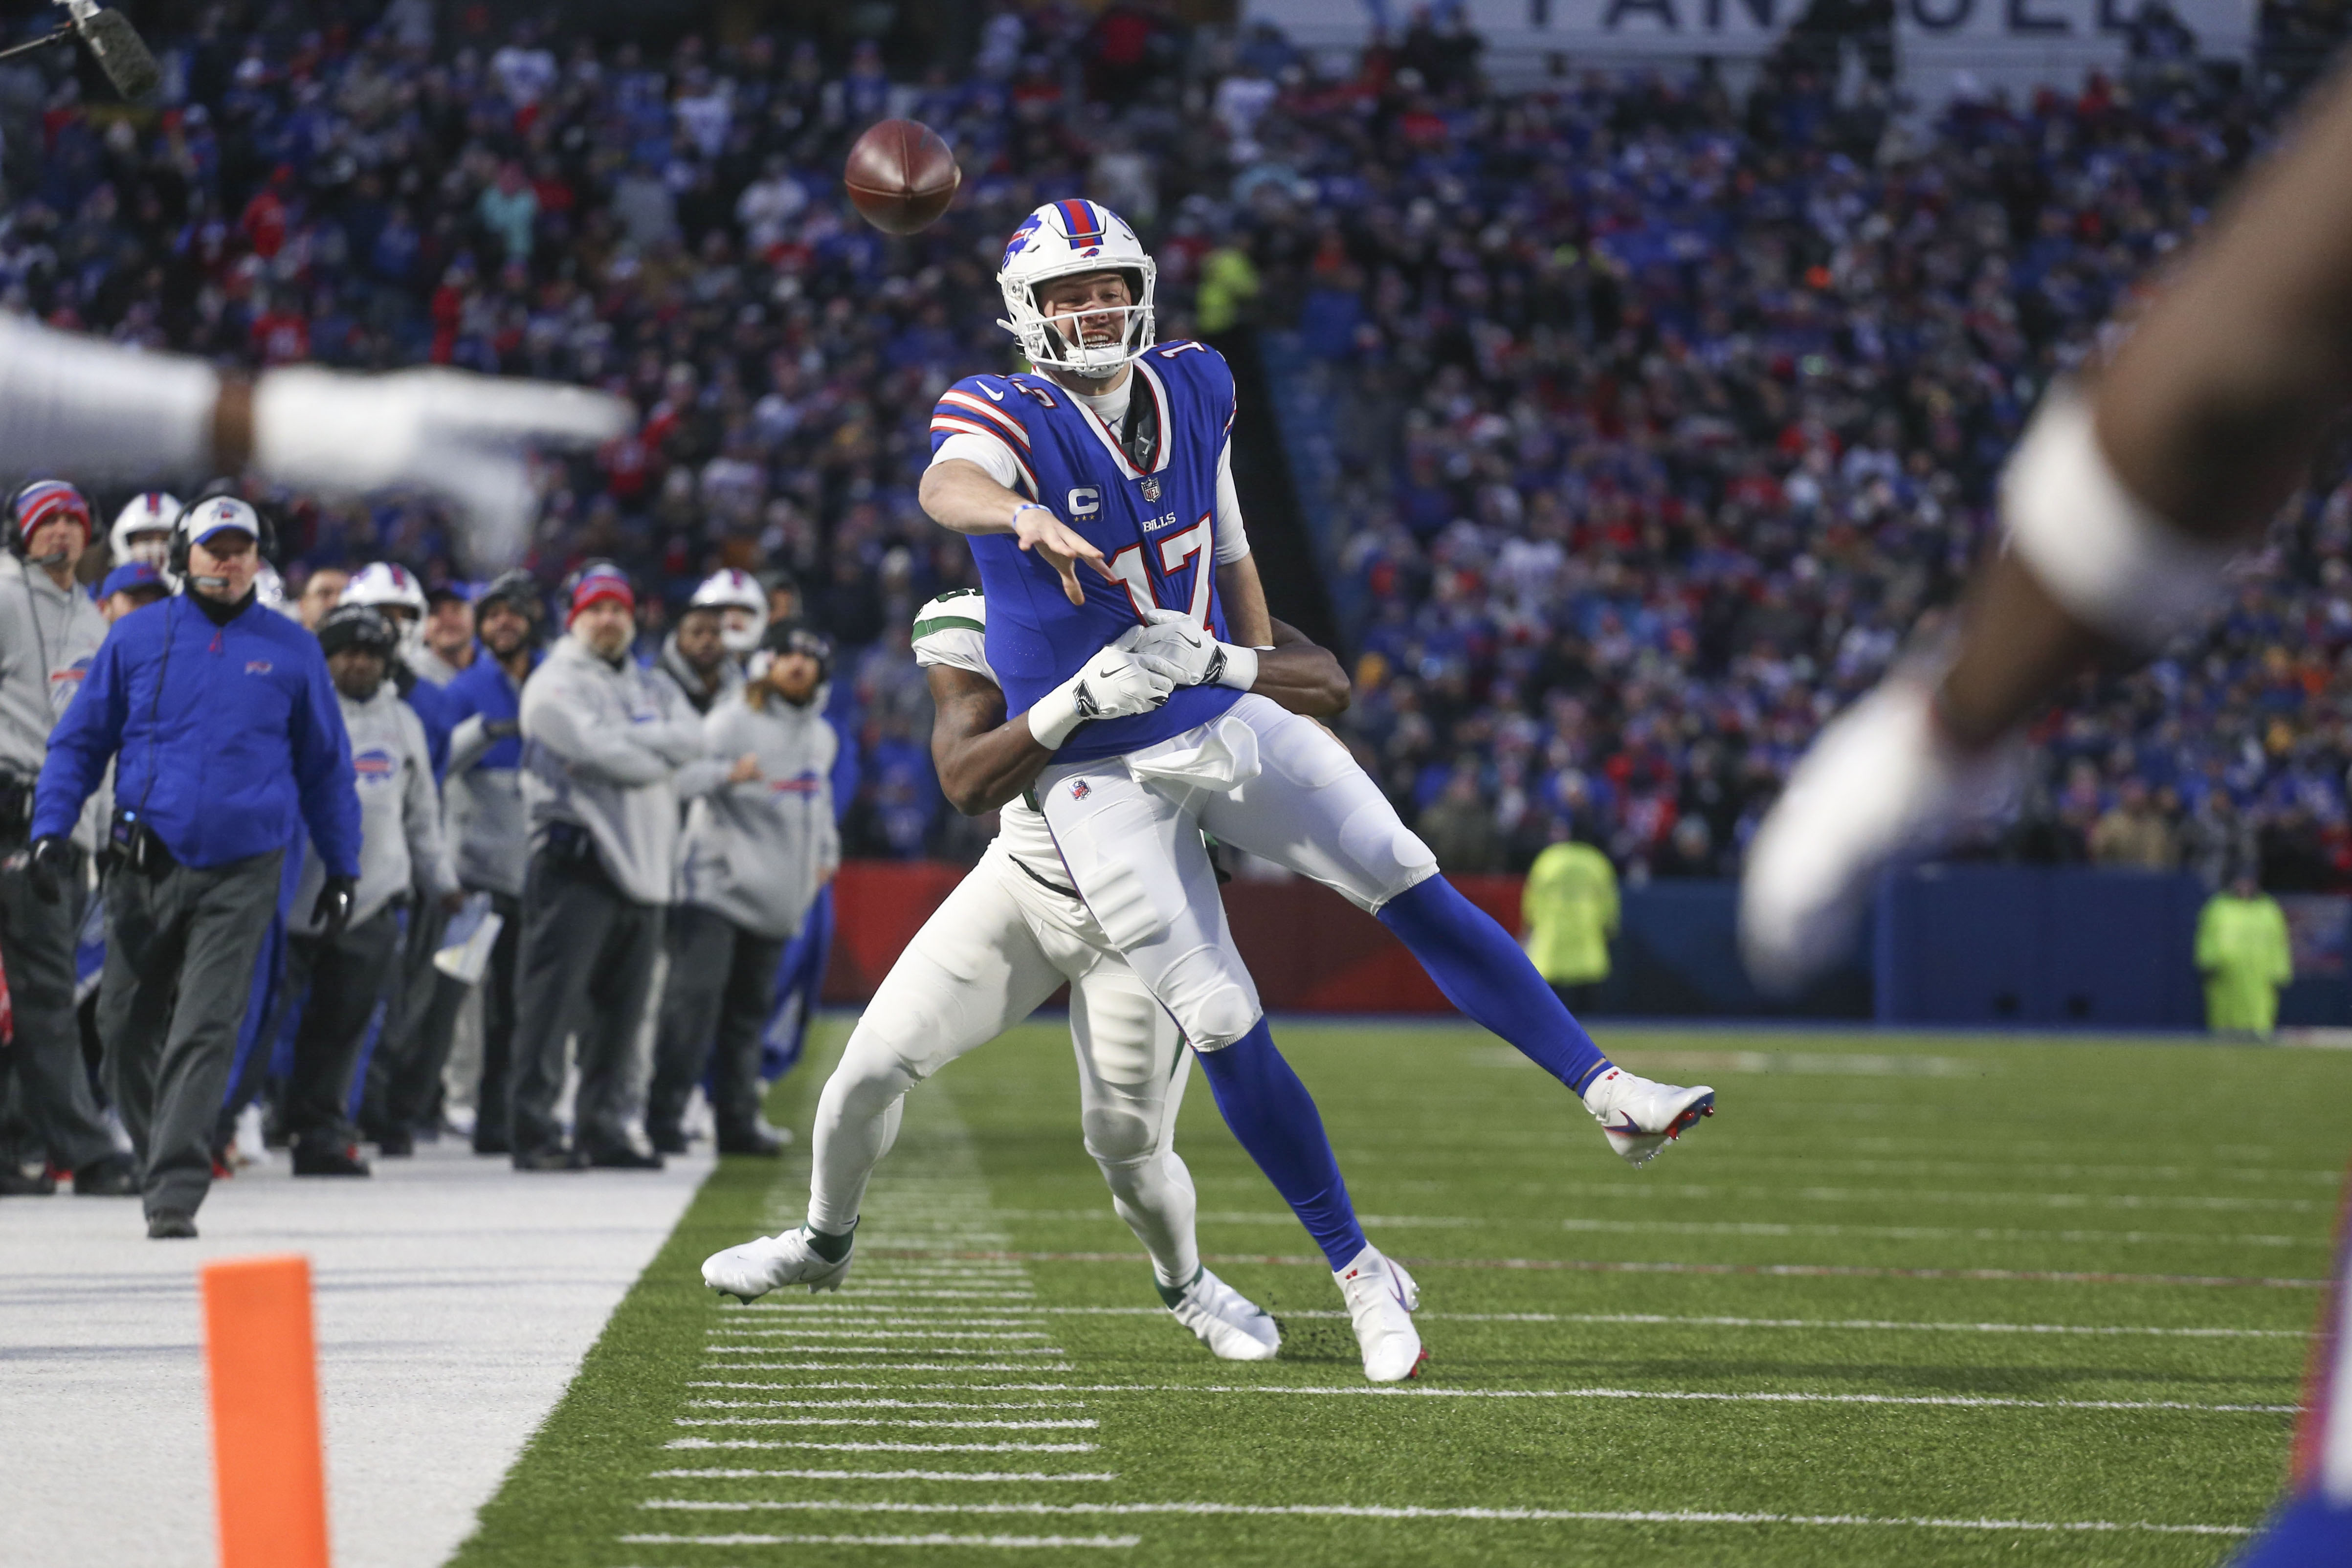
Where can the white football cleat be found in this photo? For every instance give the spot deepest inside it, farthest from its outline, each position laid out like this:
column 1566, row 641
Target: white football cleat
column 1233, row 1327
column 1380, row 1298
column 770, row 1263
column 1641, row 1117
column 1880, row 782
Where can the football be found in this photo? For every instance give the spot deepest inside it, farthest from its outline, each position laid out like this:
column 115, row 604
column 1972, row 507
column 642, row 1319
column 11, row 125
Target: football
column 901, row 176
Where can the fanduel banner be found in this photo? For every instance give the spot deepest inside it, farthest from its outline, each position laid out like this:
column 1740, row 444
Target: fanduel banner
column 2051, row 40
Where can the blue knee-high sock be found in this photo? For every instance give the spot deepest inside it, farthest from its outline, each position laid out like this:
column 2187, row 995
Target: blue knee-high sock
column 1482, row 972
column 1273, row 1117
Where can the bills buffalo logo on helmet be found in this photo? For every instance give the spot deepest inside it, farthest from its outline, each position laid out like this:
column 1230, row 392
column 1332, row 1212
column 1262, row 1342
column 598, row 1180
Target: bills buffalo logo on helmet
column 1020, row 240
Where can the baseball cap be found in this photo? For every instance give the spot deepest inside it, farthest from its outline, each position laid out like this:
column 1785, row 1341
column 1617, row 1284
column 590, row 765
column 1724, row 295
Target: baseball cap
column 131, row 578
column 221, row 515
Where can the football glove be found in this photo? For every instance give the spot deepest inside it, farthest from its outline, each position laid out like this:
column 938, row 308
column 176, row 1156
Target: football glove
column 332, row 912
column 1199, row 659
column 1114, row 683
column 45, row 866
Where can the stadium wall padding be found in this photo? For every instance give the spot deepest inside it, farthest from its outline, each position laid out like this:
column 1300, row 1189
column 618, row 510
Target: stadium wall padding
column 1962, row 946
column 1314, row 952
column 2072, row 947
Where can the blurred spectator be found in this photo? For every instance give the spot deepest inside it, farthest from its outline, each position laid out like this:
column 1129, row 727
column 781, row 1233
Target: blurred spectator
column 2243, row 954
column 2133, row 835
column 1569, row 913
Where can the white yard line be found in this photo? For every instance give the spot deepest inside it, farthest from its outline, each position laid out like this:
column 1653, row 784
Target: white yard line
column 798, row 1330
column 868, row 1366
column 885, row 1448
column 882, row 1349
column 993, row 1476
column 1343, row 1510
column 1956, row 1401
column 1013, row 1543
column 884, row 1405
column 1657, row 1319
column 863, row 1421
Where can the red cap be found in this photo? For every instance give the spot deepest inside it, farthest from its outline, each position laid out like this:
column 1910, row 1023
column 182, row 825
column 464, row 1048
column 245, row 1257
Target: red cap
column 599, row 583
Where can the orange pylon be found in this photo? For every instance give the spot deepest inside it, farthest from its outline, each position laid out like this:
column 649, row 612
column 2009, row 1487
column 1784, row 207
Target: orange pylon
column 268, row 1460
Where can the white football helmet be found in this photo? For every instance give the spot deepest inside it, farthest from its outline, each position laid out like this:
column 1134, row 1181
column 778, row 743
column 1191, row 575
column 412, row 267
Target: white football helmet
column 742, row 606
column 143, row 530
column 387, row 586
column 1068, row 239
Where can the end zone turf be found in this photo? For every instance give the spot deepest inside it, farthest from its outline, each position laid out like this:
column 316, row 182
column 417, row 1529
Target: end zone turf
column 1945, row 1298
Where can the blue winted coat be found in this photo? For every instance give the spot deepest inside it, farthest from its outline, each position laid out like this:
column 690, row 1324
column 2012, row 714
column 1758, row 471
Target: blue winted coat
column 225, row 734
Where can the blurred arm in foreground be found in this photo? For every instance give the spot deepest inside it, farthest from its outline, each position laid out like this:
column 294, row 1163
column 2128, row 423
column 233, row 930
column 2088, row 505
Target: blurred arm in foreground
column 77, row 406
column 2124, row 503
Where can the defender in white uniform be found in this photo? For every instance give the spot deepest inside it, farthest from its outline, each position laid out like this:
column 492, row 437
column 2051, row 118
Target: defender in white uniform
column 1009, row 934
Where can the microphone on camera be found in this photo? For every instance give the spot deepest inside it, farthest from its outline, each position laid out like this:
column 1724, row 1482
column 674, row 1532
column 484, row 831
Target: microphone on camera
column 112, row 41
column 120, row 53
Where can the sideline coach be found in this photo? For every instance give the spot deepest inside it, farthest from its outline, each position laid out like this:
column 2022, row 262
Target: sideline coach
column 224, row 722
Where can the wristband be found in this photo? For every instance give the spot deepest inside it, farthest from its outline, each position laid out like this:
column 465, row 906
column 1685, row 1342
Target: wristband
column 1240, row 666
column 2109, row 559
column 1029, row 506
column 1055, row 716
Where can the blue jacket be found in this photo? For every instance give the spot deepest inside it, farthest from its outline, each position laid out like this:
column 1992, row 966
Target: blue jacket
column 482, row 687
column 224, row 734
column 435, row 710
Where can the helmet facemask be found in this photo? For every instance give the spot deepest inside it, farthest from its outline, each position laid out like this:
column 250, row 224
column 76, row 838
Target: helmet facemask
column 1045, row 341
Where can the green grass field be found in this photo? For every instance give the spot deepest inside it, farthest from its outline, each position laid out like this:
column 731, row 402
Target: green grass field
column 1935, row 1299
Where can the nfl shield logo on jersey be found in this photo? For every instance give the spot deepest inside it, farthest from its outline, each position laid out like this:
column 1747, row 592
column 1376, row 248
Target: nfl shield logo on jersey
column 1078, row 790
column 1150, row 487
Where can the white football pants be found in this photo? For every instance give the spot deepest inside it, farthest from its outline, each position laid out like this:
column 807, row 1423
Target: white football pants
column 999, row 947
column 1130, row 831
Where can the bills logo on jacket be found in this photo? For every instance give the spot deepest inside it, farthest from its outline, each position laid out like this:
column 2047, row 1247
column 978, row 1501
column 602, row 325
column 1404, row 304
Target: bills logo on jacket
column 375, row 766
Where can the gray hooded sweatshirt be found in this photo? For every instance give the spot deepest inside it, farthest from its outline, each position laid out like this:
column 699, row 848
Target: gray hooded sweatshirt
column 758, row 852
column 613, row 749
column 728, row 678
column 400, row 812
column 47, row 635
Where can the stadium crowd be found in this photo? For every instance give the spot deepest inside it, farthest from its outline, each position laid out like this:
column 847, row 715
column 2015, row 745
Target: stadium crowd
column 1659, row 406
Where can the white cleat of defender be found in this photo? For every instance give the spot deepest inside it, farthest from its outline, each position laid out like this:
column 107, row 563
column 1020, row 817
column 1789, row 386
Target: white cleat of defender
column 1641, row 1117
column 1233, row 1327
column 770, row 1263
column 1880, row 783
column 1382, row 1298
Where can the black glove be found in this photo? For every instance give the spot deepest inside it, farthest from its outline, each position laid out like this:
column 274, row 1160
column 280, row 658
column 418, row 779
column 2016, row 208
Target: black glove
column 333, row 910
column 47, row 866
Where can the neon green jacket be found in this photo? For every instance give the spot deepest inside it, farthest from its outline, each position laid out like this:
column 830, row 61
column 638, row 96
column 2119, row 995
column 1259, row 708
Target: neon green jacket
column 1569, row 909
column 2243, row 954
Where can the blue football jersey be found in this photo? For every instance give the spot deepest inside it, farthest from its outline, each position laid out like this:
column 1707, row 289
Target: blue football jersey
column 1155, row 522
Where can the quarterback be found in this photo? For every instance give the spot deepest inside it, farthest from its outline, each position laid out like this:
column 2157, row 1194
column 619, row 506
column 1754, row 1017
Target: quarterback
column 1114, row 456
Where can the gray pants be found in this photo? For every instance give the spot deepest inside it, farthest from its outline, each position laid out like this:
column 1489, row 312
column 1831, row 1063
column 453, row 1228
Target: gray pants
column 586, row 965
column 51, row 1087
column 720, row 990
column 403, row 1076
column 180, row 955
column 346, row 975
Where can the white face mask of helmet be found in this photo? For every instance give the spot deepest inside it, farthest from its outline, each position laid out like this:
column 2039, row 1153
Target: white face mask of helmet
column 390, row 588
column 1071, row 239
column 143, row 530
column 742, row 606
